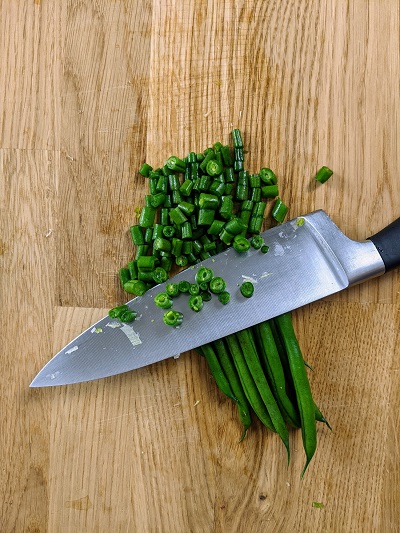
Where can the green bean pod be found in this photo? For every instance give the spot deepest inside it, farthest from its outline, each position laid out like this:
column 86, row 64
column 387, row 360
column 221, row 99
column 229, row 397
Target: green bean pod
column 229, row 369
column 302, row 386
column 248, row 346
column 270, row 357
column 247, row 381
column 320, row 417
column 209, row 354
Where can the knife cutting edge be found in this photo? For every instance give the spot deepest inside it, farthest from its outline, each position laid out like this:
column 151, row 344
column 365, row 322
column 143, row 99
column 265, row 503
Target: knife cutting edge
column 309, row 258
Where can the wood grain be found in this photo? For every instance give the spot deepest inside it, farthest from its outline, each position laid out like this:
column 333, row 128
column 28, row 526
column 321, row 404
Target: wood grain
column 90, row 90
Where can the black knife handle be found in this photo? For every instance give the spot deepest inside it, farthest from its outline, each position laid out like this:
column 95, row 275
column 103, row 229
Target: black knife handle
column 387, row 242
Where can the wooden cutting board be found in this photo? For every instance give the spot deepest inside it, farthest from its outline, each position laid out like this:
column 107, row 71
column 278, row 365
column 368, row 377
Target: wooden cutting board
column 93, row 89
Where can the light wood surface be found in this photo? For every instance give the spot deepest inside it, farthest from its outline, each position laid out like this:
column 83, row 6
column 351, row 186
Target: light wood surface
column 89, row 90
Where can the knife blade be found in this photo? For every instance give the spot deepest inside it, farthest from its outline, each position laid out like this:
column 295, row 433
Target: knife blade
column 309, row 258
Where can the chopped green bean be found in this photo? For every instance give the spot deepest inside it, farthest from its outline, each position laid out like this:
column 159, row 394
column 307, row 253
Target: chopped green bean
column 128, row 316
column 247, row 289
column 206, row 296
column 213, row 168
column 159, row 275
column 217, row 285
column 157, row 199
column 168, row 231
column 177, row 216
column 186, row 230
column 133, row 270
column 176, row 164
column 279, row 211
column 237, row 138
column 241, row 244
column 194, row 289
column 181, row 260
column 268, row 176
column 146, row 263
column 176, row 248
column 234, row 226
column 216, row 227
column 187, row 208
column 141, row 250
column 205, row 217
column 196, row 302
column 116, row 312
column 204, row 274
column 184, row 286
column 124, row 276
column 137, row 235
column 208, row 201
column 163, row 300
column 323, row 174
column 146, row 276
column 172, row 289
column 269, row 191
column 136, row 287
column 147, row 216
column 186, row 187
column 145, row 170
column 224, row 297
column 173, row 318
column 257, row 242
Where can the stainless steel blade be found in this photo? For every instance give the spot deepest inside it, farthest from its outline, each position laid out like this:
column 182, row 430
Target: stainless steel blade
column 309, row 258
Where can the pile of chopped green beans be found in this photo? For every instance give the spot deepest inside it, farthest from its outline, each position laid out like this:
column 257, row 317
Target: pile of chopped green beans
column 196, row 207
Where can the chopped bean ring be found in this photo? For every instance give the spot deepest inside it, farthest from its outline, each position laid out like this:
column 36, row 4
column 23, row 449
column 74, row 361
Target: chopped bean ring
column 217, row 285
column 224, row 297
column 173, row 318
column 247, row 289
column 241, row 244
column 196, row 302
column 204, row 275
column 163, row 300
column 172, row 289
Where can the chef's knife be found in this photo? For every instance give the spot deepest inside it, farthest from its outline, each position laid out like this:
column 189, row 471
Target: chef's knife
column 308, row 258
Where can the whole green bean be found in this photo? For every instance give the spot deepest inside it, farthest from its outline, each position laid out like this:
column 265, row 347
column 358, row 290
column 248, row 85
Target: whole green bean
column 247, row 381
column 248, row 346
column 230, row 371
column 320, row 417
column 274, row 369
column 302, row 386
column 209, row 354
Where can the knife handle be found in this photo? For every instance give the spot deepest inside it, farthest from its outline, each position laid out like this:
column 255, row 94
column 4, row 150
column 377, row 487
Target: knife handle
column 387, row 242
